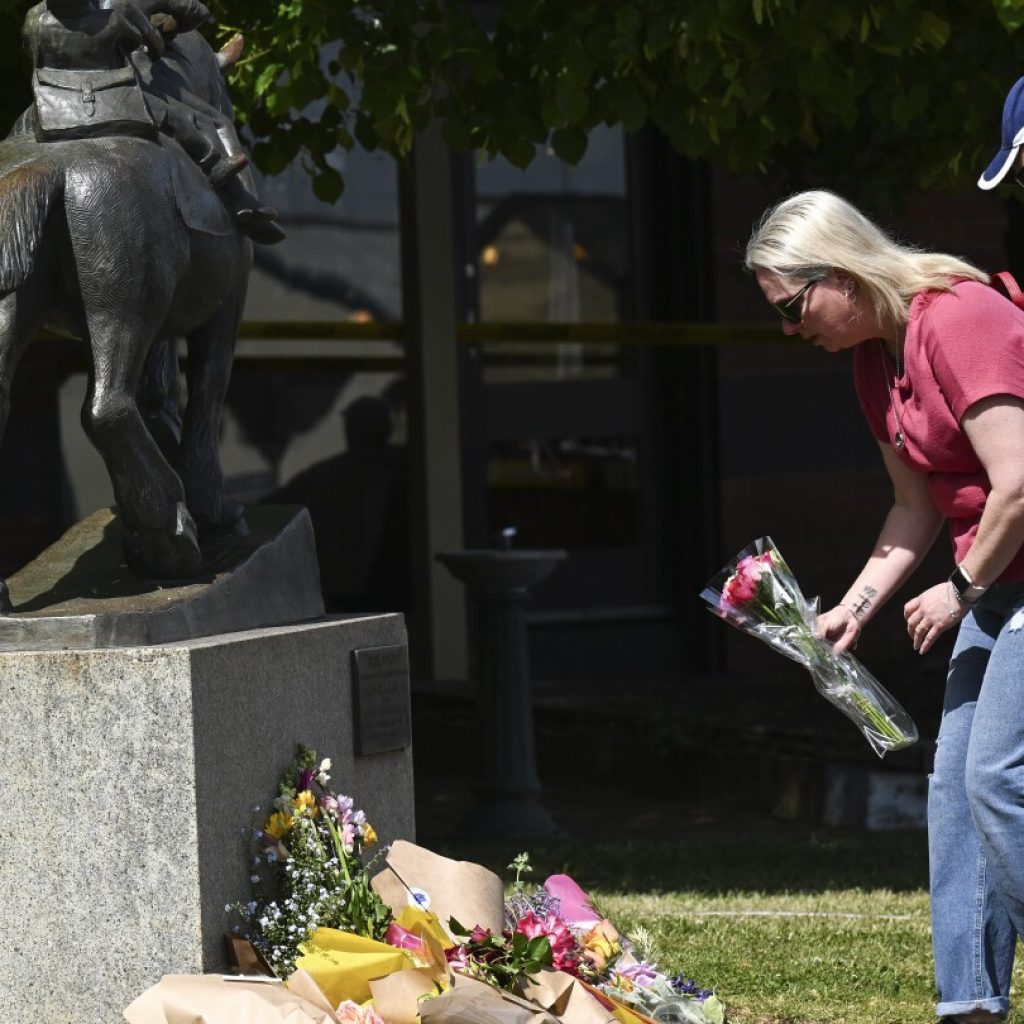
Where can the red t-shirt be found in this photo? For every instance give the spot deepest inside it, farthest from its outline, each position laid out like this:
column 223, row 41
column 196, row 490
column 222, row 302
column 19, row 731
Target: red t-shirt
column 961, row 346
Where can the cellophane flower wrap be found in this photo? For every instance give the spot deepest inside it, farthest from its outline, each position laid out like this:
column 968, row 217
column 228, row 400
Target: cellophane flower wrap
column 757, row 593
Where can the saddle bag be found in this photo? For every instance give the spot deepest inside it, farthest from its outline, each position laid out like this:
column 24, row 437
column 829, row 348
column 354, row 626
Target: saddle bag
column 85, row 104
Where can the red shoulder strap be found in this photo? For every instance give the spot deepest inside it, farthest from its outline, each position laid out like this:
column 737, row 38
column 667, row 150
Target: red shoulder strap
column 1006, row 283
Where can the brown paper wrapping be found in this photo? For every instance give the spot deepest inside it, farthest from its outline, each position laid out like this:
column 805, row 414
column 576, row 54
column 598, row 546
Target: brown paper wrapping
column 220, row 999
column 448, row 888
column 474, row 1002
column 397, row 997
column 564, row 997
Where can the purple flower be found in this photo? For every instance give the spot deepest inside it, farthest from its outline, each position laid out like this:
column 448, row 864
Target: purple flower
column 641, row 974
column 688, row 987
column 305, row 779
column 538, row 902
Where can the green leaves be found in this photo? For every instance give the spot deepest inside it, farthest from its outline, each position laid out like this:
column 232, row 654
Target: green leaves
column 503, row 960
column 570, row 144
column 790, row 85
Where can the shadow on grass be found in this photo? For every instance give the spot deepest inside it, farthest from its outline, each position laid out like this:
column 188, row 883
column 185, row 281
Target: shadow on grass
column 793, row 859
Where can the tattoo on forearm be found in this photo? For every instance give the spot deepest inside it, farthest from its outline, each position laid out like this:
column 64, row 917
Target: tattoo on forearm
column 862, row 602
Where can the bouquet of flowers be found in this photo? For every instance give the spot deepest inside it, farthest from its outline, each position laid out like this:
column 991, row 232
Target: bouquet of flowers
column 757, row 593
column 308, row 869
column 557, row 926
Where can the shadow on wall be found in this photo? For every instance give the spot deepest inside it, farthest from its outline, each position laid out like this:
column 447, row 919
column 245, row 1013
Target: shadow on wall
column 357, row 501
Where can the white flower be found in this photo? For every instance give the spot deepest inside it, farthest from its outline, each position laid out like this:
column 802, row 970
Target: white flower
column 325, row 766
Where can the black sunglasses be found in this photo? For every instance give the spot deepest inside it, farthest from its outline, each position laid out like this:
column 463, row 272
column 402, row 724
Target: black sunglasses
column 789, row 309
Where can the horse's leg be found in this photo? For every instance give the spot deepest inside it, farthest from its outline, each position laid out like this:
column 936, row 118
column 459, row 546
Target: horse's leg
column 211, row 349
column 159, row 534
column 21, row 315
column 158, row 397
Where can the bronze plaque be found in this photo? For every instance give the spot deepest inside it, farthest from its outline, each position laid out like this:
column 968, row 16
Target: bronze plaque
column 380, row 699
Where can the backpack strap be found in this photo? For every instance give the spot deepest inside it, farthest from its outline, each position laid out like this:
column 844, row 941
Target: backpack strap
column 1005, row 282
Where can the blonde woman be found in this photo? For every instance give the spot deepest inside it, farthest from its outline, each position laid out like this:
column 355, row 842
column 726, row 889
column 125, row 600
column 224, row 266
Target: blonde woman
column 939, row 371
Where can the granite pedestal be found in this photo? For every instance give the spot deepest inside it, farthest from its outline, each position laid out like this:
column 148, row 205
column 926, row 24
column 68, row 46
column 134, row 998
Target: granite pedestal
column 127, row 775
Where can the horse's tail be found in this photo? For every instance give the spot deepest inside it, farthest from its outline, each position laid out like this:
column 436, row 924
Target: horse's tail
column 27, row 195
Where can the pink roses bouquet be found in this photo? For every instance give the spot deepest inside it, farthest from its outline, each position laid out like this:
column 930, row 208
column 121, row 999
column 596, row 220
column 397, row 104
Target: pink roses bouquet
column 757, row 593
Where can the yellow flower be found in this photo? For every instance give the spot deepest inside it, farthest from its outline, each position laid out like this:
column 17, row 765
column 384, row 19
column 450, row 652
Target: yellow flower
column 369, row 835
column 601, row 944
column 305, row 804
column 279, row 825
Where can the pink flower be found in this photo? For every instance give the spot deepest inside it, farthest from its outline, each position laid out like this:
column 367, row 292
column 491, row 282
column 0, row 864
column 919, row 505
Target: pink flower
column 564, row 952
column 352, row 1013
column 458, row 957
column 741, row 587
column 348, row 836
column 480, row 934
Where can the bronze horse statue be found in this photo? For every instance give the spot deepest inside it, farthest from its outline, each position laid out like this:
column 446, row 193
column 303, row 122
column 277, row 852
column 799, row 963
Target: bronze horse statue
column 120, row 242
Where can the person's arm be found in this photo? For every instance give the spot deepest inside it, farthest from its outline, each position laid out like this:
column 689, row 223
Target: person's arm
column 30, row 31
column 909, row 530
column 995, row 428
column 189, row 14
column 128, row 29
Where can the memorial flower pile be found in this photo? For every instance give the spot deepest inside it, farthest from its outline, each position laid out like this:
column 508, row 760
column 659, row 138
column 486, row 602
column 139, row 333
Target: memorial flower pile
column 758, row 594
column 620, row 969
column 556, row 926
column 428, row 941
column 307, row 867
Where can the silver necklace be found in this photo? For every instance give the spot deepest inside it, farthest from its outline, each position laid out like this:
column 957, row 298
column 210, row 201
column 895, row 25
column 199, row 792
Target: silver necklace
column 900, row 439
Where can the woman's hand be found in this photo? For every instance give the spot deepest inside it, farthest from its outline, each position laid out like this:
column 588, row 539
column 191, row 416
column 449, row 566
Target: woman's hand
column 930, row 614
column 840, row 627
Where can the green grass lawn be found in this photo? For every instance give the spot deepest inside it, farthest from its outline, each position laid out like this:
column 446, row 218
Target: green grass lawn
column 788, row 925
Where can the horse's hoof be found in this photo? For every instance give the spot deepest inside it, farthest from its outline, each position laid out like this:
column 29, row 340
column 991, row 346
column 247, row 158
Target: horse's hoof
column 230, row 523
column 157, row 554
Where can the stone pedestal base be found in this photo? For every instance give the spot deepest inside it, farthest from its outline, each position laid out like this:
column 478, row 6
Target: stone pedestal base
column 126, row 778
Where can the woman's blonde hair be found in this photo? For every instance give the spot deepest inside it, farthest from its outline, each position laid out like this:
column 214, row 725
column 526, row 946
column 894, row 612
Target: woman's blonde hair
column 811, row 233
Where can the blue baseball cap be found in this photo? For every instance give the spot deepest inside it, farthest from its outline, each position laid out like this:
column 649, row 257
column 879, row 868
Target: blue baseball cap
column 1013, row 137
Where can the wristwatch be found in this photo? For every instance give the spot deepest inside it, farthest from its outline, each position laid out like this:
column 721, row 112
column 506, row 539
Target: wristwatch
column 965, row 587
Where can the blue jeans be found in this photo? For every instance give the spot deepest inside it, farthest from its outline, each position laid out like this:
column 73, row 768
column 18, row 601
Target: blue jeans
column 976, row 810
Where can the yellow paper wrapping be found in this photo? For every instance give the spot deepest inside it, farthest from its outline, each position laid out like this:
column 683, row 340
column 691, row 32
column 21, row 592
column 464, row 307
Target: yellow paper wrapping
column 624, row 1014
column 343, row 964
column 627, row 1015
column 424, row 924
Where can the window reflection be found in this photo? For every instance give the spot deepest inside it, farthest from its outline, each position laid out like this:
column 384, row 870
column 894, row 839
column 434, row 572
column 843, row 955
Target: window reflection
column 571, row 492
